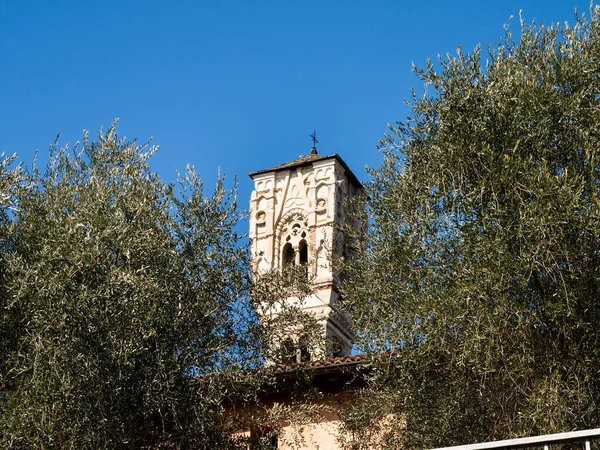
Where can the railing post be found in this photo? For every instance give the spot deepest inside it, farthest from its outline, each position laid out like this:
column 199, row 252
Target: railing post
column 587, row 445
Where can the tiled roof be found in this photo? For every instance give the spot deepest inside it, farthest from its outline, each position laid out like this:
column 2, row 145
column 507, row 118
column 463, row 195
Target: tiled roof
column 322, row 365
column 302, row 160
column 305, row 160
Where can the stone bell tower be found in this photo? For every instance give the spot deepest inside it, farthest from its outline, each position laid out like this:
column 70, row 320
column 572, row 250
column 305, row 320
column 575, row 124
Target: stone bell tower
column 296, row 213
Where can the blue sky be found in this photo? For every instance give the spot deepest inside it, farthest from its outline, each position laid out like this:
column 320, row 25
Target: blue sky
column 235, row 85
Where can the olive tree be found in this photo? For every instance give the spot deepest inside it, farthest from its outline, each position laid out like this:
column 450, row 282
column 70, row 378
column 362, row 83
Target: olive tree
column 480, row 270
column 9, row 181
column 126, row 295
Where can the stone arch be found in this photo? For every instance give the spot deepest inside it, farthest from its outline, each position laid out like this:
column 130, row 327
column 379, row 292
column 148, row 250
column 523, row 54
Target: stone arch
column 292, row 231
column 291, row 216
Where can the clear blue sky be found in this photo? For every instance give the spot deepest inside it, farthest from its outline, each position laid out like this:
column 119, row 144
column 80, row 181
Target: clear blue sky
column 238, row 85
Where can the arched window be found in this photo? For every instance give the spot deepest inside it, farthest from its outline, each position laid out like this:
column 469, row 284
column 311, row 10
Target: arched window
column 336, row 346
column 303, row 252
column 303, row 349
column 287, row 257
column 288, row 352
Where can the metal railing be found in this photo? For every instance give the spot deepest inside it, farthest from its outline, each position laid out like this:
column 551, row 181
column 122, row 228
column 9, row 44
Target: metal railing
column 585, row 437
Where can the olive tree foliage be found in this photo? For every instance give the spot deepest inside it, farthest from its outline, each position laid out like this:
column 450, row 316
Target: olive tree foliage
column 288, row 331
column 127, row 295
column 9, row 181
column 481, row 267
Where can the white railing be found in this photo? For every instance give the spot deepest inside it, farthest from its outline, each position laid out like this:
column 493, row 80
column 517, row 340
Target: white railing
column 585, row 437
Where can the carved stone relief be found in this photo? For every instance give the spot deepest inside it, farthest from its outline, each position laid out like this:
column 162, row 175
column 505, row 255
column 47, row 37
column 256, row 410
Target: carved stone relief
column 296, row 196
column 322, row 259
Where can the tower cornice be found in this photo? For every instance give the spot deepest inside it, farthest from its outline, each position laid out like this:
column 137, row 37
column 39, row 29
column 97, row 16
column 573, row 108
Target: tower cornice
column 307, row 160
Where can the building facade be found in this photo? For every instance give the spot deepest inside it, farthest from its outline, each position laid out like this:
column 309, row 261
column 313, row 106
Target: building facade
column 297, row 217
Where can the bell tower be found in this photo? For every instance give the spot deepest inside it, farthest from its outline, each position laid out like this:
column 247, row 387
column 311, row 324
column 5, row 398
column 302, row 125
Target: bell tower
column 296, row 213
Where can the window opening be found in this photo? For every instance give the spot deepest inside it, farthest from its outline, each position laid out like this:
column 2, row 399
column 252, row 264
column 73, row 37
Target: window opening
column 336, row 347
column 304, row 354
column 288, row 255
column 303, row 252
column 288, row 352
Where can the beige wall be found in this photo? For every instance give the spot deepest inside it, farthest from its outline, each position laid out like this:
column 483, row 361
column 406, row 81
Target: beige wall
column 315, row 424
column 319, row 435
column 299, row 426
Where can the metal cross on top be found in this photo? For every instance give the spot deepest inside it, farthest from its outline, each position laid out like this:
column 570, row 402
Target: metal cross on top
column 315, row 142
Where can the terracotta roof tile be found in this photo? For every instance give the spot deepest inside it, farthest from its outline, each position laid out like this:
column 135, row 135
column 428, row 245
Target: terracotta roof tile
column 333, row 363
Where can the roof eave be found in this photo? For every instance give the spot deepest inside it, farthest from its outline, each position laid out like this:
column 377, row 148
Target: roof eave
column 349, row 174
